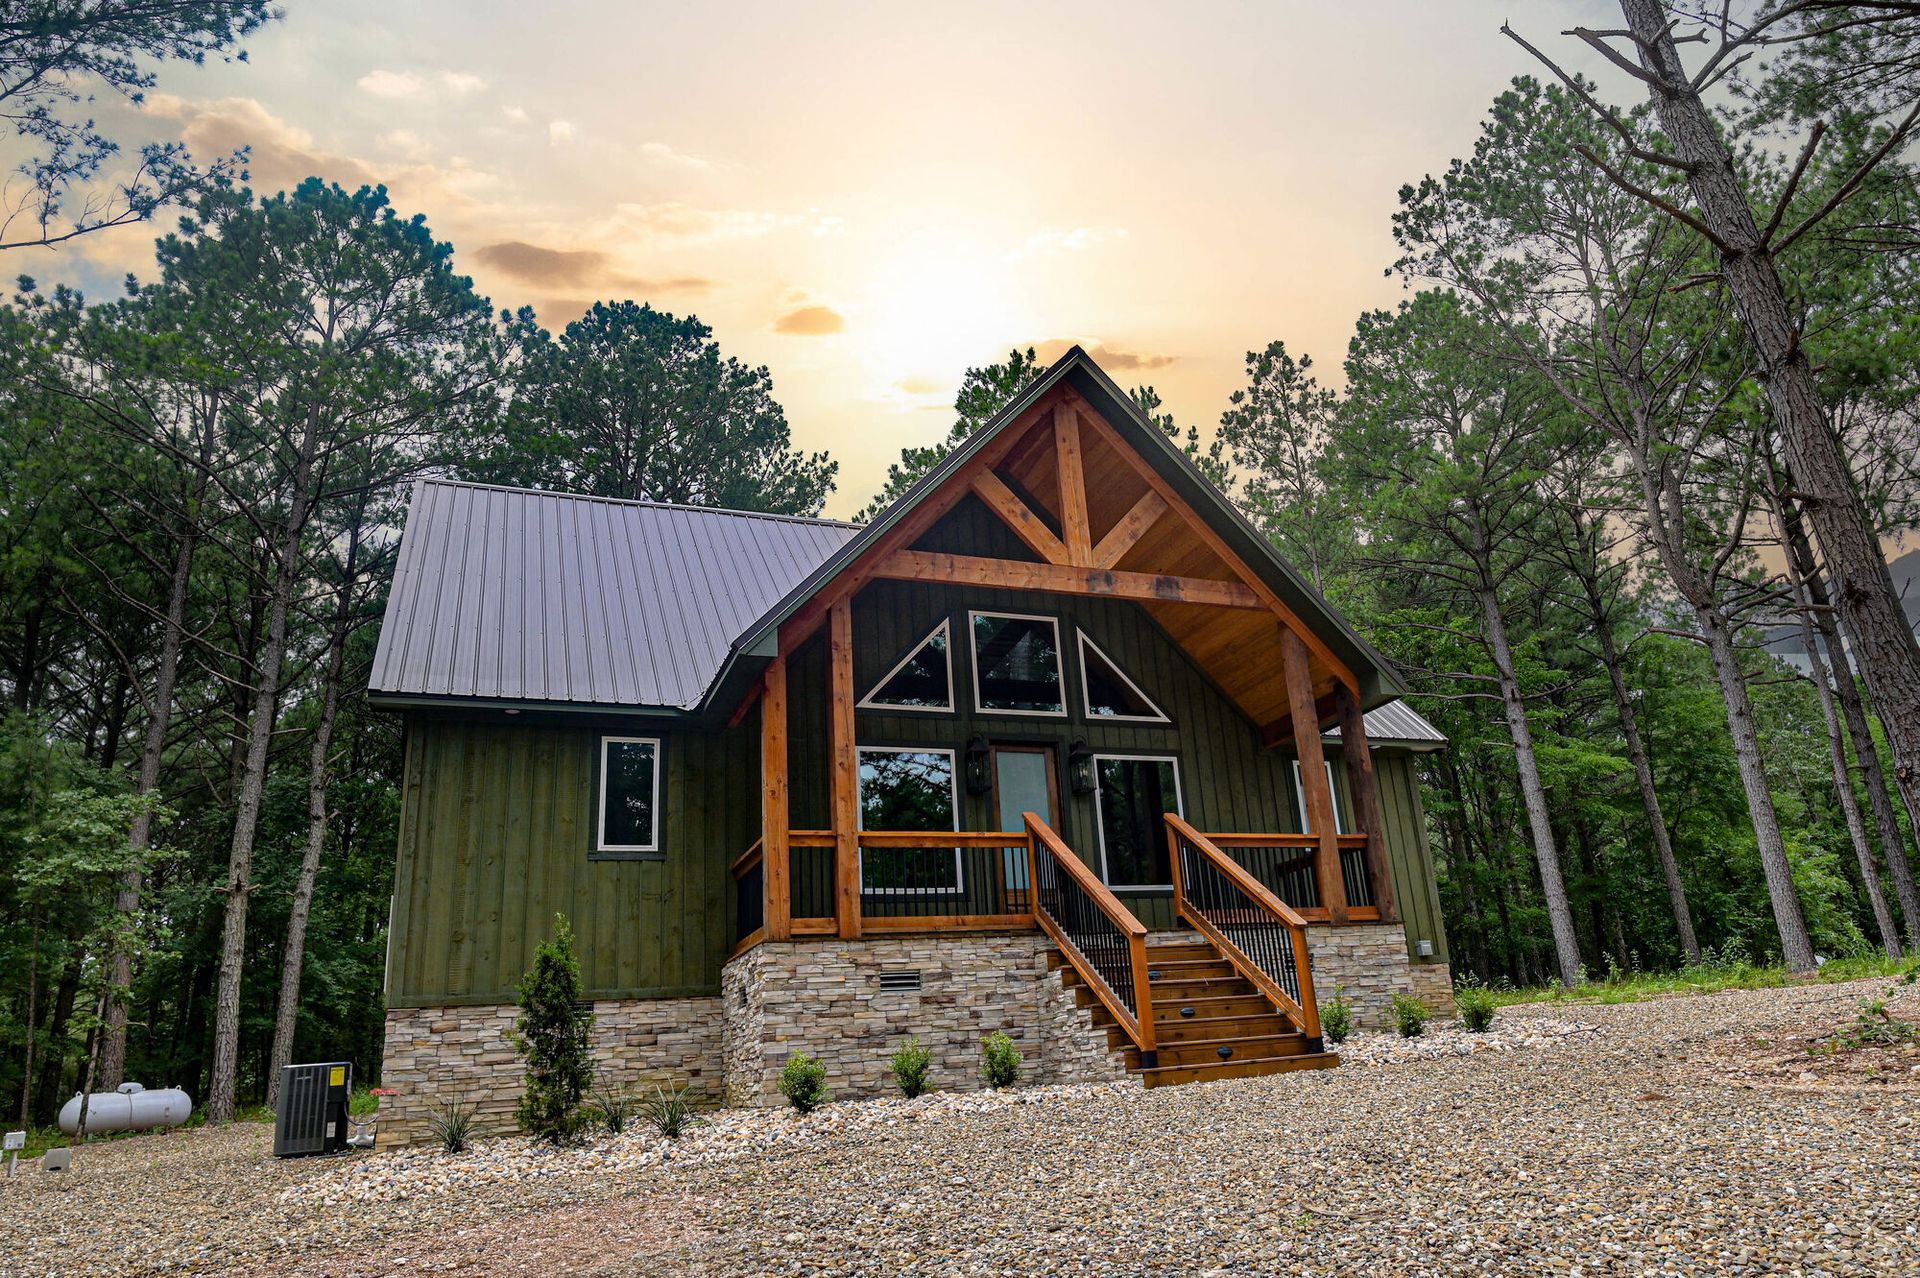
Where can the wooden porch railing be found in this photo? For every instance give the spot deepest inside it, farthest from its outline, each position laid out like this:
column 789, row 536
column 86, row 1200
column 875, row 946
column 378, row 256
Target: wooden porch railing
column 1099, row 936
column 1287, row 865
column 1262, row 936
column 910, row 880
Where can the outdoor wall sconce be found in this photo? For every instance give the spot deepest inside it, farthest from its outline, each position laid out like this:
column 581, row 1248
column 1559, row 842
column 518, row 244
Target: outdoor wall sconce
column 979, row 766
column 1080, row 768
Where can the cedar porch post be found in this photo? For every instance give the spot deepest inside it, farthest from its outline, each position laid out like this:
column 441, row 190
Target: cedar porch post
column 1358, row 752
column 1313, row 775
column 846, row 771
column 774, row 813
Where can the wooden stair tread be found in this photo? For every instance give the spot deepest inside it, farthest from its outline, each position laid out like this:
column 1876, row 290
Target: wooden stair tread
column 1165, row 1075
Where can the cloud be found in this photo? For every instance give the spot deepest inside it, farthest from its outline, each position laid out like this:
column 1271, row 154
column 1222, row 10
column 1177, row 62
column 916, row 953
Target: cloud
column 392, row 84
column 517, row 115
column 560, row 132
column 1111, row 358
column 661, row 153
column 577, row 268
column 914, row 393
column 811, row 321
column 462, row 83
column 403, row 142
column 673, row 219
column 1053, row 240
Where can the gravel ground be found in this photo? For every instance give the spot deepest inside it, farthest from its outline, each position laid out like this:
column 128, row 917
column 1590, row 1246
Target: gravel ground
column 1689, row 1135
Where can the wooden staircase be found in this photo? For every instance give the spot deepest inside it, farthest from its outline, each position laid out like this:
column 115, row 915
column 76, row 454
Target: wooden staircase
column 1209, row 1021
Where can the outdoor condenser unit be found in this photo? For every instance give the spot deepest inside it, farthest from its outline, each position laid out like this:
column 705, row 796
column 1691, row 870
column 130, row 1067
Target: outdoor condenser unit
column 313, row 1109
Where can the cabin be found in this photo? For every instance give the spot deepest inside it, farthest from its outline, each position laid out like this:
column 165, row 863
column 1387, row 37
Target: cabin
column 1056, row 746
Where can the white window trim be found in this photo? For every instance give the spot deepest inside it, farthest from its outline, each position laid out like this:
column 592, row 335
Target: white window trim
column 1100, row 821
column 1333, row 796
column 1086, row 697
column 600, row 843
column 973, row 662
column 953, row 781
column 952, row 707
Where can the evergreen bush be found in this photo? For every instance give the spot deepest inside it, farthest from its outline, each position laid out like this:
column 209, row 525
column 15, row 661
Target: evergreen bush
column 1410, row 1015
column 1474, row 1002
column 804, row 1083
column 910, row 1065
column 999, row 1061
column 555, row 1037
column 1336, row 1017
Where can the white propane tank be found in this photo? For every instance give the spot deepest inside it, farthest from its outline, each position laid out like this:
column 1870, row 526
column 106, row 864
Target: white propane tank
column 131, row 1109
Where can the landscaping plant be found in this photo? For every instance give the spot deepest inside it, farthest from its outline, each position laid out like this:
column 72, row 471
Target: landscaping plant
column 452, row 1127
column 1000, row 1061
column 670, row 1110
column 804, row 1083
column 1410, row 1015
column 614, row 1108
column 556, row 1039
column 1475, row 1004
column 1336, row 1016
column 910, row 1065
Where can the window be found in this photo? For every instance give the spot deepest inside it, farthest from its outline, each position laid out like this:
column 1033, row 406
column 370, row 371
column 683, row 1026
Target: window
column 1016, row 664
column 908, row 789
column 921, row 680
column 1132, row 793
column 629, row 795
column 1340, row 825
column 1109, row 693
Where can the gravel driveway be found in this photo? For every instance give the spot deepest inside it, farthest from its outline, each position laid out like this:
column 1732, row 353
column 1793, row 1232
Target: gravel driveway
column 1670, row 1140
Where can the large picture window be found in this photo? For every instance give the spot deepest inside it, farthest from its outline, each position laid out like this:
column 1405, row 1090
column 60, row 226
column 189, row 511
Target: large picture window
column 909, row 789
column 629, row 795
column 921, row 680
column 1132, row 795
column 1016, row 664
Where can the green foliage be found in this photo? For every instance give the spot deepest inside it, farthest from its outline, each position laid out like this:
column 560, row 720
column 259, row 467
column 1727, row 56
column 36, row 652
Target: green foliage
column 1336, row 1016
column 670, row 1110
column 1728, row 969
column 555, row 1037
column 1410, row 1015
column 804, row 1083
column 983, row 393
column 999, row 1060
column 452, row 1126
column 613, row 1108
column 910, row 1064
column 1475, row 1005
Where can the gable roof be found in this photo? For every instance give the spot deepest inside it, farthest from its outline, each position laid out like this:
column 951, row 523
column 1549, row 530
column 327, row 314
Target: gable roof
column 513, row 595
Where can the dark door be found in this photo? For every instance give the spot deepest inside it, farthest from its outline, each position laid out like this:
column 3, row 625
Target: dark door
column 1023, row 781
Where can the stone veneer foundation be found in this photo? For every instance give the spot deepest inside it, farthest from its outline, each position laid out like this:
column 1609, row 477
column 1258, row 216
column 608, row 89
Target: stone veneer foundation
column 1369, row 962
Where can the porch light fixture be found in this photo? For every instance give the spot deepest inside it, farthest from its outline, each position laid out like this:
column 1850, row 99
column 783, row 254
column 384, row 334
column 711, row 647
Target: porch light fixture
column 979, row 766
column 1080, row 768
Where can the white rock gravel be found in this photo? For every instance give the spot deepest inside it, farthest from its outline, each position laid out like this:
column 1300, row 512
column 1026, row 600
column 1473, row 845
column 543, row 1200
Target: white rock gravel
column 1627, row 1149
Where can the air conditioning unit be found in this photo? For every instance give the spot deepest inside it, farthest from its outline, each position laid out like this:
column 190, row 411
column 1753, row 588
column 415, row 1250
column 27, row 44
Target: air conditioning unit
column 313, row 1109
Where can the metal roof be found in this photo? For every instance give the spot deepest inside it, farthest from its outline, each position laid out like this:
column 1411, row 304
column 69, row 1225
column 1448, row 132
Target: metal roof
column 510, row 594
column 1397, row 723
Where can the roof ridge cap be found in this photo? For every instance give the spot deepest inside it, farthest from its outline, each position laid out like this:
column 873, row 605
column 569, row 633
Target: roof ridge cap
column 814, row 520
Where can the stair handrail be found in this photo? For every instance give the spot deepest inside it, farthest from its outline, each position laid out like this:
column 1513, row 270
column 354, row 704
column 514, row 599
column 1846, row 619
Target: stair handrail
column 1137, row 1021
column 1306, row 1008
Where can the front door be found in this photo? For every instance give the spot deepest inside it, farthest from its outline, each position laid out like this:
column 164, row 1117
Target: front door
column 1022, row 782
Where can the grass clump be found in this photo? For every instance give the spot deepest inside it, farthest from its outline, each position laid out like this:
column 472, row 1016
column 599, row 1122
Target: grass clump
column 1474, row 1003
column 910, row 1065
column 1731, row 968
column 453, row 1126
column 804, row 1083
column 1410, row 1015
column 671, row 1110
column 613, row 1109
column 999, row 1061
column 1336, row 1016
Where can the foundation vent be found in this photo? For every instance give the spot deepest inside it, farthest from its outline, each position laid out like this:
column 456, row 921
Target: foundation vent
column 901, row 981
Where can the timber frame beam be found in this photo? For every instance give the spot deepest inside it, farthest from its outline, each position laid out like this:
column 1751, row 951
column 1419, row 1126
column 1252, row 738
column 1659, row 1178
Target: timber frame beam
column 970, row 570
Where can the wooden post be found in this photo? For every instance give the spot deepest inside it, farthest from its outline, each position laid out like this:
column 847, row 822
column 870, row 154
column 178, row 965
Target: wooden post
column 1073, row 485
column 1358, row 752
column 775, row 816
column 846, row 771
column 1313, row 775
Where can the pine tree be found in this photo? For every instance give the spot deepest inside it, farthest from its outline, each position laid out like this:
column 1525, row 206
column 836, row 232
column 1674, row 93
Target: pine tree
column 556, row 1038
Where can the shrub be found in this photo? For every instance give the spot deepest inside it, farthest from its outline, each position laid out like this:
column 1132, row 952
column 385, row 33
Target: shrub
column 452, row 1127
column 1336, row 1017
column 1410, row 1015
column 910, row 1065
column 555, row 1037
column 1000, row 1061
column 1474, row 1002
column 804, row 1083
column 670, row 1110
column 614, row 1109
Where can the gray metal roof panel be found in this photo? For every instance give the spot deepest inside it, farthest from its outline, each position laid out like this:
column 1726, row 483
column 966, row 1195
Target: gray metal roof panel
column 513, row 594
column 1397, row 723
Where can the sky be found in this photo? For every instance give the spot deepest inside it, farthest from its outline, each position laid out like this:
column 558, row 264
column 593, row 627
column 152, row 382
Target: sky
column 868, row 199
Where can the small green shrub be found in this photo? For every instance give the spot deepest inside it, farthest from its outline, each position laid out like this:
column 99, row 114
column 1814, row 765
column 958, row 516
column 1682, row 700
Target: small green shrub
column 1000, row 1061
column 1410, row 1015
column 910, row 1065
column 555, row 1038
column 670, row 1110
column 1336, row 1016
column 452, row 1127
column 613, row 1108
column 1475, row 1004
column 804, row 1083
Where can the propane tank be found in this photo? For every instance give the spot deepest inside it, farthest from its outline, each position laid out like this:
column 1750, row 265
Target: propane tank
column 130, row 1109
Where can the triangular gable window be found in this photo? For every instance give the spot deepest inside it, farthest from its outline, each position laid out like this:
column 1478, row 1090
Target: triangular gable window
column 921, row 680
column 1110, row 694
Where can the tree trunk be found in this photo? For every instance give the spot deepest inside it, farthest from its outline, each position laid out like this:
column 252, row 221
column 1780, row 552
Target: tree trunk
column 33, row 1012
column 53, row 1068
column 1566, row 943
column 1884, row 643
column 260, row 724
